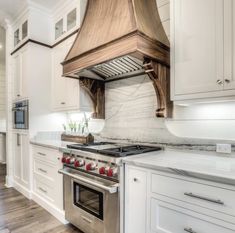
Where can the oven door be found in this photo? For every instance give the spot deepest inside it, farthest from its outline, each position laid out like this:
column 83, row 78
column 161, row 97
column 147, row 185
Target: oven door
column 20, row 117
column 88, row 199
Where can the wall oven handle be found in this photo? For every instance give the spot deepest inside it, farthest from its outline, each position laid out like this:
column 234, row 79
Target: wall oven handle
column 110, row 189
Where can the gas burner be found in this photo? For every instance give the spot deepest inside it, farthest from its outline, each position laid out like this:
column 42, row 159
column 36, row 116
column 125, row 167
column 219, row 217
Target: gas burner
column 101, row 158
column 128, row 150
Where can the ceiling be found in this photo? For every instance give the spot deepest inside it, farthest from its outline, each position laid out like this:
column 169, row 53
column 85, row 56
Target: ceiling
column 12, row 7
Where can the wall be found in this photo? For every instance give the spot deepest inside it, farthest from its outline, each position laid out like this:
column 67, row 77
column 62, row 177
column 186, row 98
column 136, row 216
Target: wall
column 131, row 105
column 2, row 81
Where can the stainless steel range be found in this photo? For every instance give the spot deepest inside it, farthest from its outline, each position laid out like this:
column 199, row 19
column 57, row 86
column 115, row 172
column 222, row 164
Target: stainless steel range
column 91, row 184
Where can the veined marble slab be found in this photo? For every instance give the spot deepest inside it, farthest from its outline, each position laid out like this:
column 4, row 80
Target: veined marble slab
column 203, row 165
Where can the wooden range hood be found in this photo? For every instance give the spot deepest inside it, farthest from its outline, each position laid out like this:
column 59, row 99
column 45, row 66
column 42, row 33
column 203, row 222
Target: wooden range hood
column 120, row 39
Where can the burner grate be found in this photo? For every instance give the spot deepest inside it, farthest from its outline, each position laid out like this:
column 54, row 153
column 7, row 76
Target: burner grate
column 128, row 150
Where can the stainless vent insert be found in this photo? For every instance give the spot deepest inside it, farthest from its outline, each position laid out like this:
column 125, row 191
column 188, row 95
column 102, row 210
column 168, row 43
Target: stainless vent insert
column 121, row 67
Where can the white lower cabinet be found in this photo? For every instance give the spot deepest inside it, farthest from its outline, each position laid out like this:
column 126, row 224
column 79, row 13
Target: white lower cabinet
column 21, row 162
column 136, row 200
column 167, row 218
column 160, row 202
column 47, row 182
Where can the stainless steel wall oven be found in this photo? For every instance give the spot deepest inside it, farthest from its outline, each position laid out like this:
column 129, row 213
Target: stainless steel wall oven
column 20, row 112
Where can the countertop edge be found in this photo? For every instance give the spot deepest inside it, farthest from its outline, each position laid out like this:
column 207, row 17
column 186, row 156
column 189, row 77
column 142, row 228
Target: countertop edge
column 182, row 172
column 45, row 145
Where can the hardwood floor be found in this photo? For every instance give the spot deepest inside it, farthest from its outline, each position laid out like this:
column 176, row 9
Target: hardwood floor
column 20, row 215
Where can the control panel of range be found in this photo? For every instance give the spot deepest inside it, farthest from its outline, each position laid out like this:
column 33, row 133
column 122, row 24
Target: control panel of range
column 92, row 166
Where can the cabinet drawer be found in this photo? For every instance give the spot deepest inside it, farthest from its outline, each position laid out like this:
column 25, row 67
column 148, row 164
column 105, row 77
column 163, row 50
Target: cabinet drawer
column 167, row 218
column 44, row 190
column 45, row 170
column 47, row 154
column 199, row 194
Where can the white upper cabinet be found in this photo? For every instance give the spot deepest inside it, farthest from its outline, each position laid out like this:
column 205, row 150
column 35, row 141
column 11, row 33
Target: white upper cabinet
column 202, row 49
column 67, row 18
column 16, row 76
column 20, row 74
column 33, row 24
column 229, row 45
column 67, row 95
column 68, row 22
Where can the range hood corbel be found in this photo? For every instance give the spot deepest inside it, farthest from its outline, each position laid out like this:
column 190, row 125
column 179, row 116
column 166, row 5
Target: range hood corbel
column 160, row 76
column 96, row 91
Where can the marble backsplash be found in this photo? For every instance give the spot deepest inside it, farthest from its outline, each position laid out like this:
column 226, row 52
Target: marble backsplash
column 130, row 115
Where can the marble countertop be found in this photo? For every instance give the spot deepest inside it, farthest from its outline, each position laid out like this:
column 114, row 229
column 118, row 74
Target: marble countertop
column 53, row 144
column 205, row 165
column 198, row 164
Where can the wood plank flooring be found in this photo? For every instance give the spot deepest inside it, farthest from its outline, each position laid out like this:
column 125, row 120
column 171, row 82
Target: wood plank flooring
column 20, row 215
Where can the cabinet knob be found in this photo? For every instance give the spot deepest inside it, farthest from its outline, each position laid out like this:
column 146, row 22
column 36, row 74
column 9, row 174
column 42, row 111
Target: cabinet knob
column 135, row 179
column 219, row 81
column 227, row 80
column 18, row 95
column 63, row 103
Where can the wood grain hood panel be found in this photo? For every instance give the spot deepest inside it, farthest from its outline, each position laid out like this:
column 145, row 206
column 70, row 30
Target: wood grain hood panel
column 120, row 39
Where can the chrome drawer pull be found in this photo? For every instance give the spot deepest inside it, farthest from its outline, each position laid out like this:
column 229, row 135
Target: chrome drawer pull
column 42, row 170
column 204, row 198
column 41, row 154
column 43, row 190
column 190, row 230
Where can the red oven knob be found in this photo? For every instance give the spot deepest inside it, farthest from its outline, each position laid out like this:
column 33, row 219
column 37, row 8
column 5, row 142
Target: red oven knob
column 76, row 163
column 63, row 160
column 70, row 160
column 102, row 171
column 67, row 160
column 91, row 166
column 79, row 163
column 110, row 172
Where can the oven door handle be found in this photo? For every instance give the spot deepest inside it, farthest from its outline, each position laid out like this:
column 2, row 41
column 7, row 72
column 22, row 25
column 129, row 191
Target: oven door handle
column 110, row 189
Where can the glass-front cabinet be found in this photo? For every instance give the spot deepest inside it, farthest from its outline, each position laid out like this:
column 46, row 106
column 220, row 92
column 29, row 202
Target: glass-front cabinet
column 21, row 33
column 71, row 19
column 59, row 28
column 66, row 23
column 25, row 29
column 17, row 37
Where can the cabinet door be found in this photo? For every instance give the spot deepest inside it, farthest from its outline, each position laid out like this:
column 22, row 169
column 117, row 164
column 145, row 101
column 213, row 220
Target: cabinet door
column 24, row 66
column 229, row 45
column 59, row 84
column 197, row 49
column 21, row 158
column 65, row 90
column 59, row 28
column 135, row 201
column 17, row 156
column 24, row 159
column 16, row 76
column 72, row 85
